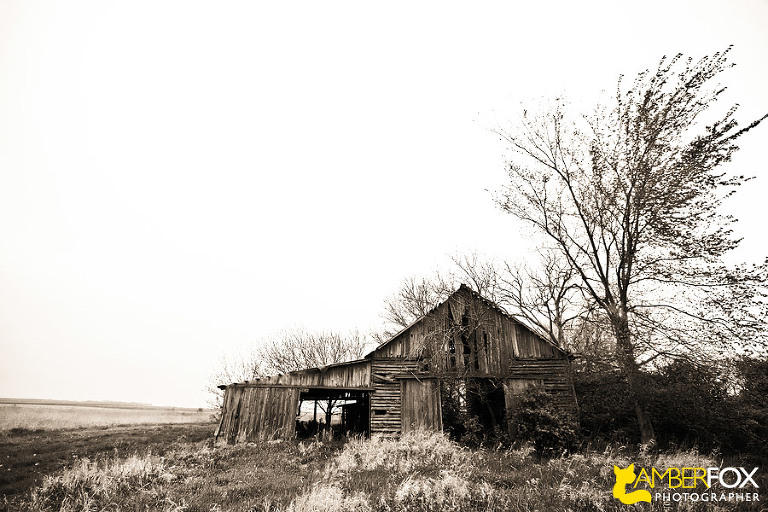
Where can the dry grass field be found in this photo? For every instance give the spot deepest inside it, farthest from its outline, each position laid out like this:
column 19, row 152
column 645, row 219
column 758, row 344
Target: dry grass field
column 40, row 437
column 51, row 415
column 27, row 456
column 67, row 458
column 419, row 473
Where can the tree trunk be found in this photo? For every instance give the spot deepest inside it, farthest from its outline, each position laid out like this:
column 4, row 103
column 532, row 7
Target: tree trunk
column 628, row 365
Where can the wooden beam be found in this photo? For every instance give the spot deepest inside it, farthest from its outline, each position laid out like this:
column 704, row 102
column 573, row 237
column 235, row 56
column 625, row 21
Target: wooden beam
column 303, row 387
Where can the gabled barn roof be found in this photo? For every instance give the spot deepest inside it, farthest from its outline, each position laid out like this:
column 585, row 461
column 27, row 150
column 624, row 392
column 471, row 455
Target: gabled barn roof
column 464, row 288
column 273, row 379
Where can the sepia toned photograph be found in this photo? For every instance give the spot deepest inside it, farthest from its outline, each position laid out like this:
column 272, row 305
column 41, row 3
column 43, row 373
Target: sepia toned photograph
column 383, row 257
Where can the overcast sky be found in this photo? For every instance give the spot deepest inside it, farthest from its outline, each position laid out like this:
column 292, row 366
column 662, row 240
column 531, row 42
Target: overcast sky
column 179, row 180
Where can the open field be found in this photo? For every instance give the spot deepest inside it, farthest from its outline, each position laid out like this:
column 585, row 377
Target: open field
column 47, row 415
column 176, row 468
column 27, row 455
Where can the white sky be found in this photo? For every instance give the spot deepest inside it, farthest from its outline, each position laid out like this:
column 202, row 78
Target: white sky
column 181, row 179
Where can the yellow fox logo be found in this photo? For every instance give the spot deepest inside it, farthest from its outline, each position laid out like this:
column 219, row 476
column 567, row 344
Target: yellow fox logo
column 624, row 477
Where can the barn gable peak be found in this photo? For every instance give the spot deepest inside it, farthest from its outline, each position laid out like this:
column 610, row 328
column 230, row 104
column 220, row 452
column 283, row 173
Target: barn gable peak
column 465, row 291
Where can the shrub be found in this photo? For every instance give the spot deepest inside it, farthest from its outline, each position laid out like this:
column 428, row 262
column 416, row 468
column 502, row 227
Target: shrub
column 750, row 406
column 690, row 405
column 605, row 410
column 473, row 432
column 539, row 421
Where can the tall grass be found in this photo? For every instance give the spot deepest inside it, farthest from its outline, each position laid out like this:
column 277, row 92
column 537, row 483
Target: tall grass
column 330, row 498
column 419, row 471
column 102, row 485
column 406, row 454
column 426, row 472
column 422, row 472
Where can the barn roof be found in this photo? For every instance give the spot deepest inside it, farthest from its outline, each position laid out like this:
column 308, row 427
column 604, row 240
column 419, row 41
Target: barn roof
column 490, row 304
column 319, row 369
column 461, row 288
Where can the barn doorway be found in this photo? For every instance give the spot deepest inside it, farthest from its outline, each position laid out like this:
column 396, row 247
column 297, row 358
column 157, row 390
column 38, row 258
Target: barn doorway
column 473, row 407
column 342, row 412
column 420, row 407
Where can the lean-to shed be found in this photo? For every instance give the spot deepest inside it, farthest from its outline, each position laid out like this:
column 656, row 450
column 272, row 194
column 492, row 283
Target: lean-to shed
column 466, row 349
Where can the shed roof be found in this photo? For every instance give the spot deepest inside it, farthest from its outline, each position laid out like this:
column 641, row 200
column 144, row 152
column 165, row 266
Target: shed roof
column 321, row 369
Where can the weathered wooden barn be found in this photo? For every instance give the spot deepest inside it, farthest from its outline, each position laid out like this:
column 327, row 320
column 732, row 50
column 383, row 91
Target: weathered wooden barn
column 466, row 347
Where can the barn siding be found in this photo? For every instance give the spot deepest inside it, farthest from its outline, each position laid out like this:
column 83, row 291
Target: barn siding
column 554, row 376
column 488, row 344
column 386, row 396
column 421, row 408
column 253, row 413
column 350, row 375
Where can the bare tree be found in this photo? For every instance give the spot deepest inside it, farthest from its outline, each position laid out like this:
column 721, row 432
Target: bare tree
column 289, row 351
column 415, row 298
column 629, row 196
column 299, row 349
column 543, row 292
column 237, row 367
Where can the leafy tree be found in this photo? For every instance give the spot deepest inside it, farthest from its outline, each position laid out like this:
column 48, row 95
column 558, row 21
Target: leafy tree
column 629, row 195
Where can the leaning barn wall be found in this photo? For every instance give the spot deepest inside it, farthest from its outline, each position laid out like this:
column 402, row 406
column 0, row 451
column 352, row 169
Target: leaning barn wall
column 250, row 414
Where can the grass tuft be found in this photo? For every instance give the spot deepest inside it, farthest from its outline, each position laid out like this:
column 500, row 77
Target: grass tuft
column 449, row 492
column 419, row 450
column 98, row 484
column 330, row 498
